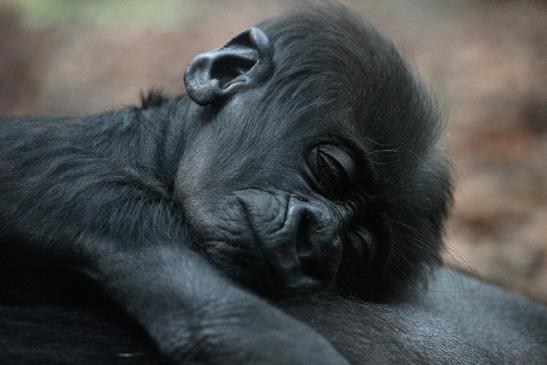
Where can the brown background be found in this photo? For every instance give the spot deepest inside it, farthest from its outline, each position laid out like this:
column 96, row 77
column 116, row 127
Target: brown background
column 485, row 61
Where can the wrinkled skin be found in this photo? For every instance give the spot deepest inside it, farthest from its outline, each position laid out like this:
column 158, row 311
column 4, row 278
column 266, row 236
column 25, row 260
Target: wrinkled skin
column 303, row 158
column 277, row 240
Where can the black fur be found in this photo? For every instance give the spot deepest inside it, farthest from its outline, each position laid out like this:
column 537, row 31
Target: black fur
column 152, row 98
column 458, row 320
column 304, row 159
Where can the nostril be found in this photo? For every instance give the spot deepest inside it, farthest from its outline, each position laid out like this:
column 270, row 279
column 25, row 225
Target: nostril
column 304, row 246
column 313, row 246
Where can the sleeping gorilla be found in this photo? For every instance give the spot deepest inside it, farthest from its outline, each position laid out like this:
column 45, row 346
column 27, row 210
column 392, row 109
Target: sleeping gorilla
column 302, row 160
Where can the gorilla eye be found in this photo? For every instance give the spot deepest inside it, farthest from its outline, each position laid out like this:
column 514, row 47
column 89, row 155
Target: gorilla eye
column 333, row 168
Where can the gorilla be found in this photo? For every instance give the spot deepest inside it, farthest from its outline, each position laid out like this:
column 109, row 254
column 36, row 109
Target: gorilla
column 287, row 210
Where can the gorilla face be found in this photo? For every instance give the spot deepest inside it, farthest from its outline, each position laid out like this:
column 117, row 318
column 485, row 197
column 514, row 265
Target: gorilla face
column 308, row 161
column 266, row 195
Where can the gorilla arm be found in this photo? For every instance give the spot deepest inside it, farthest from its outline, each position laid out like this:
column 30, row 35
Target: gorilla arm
column 458, row 319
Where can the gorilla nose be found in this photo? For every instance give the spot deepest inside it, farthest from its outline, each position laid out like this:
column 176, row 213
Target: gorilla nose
column 299, row 239
column 318, row 249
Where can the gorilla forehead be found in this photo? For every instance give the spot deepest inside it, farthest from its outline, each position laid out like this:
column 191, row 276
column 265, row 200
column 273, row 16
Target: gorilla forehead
column 332, row 64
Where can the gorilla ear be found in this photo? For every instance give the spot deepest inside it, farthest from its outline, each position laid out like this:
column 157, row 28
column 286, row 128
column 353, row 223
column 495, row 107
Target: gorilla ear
column 243, row 62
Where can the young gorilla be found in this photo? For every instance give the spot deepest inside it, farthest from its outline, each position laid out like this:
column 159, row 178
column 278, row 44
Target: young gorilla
column 303, row 158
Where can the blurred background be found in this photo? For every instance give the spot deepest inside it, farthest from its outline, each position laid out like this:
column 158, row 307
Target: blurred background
column 485, row 61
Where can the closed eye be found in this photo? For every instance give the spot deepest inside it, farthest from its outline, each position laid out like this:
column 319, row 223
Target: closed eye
column 333, row 169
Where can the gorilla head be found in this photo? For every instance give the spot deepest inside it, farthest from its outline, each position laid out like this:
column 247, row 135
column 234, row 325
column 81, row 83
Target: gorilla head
column 312, row 158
